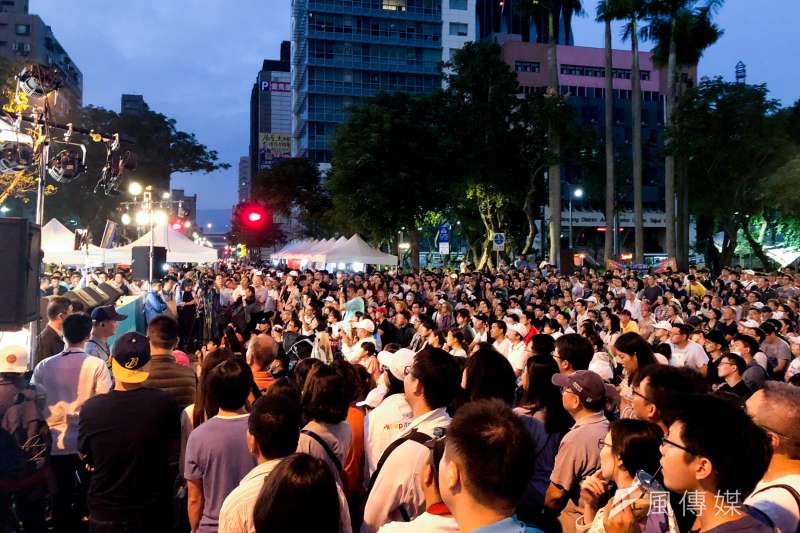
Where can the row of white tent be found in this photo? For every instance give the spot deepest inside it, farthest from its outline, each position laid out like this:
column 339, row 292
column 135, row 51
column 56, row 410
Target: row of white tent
column 334, row 251
column 58, row 244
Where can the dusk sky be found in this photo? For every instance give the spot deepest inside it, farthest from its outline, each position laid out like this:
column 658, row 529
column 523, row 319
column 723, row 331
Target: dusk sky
column 196, row 61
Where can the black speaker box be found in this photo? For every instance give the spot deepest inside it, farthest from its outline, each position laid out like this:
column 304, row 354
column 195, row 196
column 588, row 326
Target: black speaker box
column 141, row 262
column 20, row 250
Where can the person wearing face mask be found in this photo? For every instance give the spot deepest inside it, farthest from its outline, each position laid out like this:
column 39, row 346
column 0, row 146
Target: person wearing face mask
column 630, row 446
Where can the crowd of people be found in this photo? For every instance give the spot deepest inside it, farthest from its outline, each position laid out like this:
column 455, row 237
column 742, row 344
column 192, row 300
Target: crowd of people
column 521, row 399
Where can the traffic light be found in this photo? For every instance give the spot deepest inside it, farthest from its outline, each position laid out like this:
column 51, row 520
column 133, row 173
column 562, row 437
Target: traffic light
column 253, row 216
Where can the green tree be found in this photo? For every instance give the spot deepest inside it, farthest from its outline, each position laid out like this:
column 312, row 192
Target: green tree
column 683, row 30
column 161, row 149
column 734, row 139
column 387, row 168
column 553, row 10
column 484, row 135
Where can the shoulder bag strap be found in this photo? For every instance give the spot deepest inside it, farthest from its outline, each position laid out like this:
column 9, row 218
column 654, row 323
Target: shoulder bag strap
column 332, row 456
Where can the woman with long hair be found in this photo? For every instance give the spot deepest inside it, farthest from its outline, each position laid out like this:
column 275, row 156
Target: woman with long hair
column 488, row 375
column 634, row 354
column 298, row 481
column 545, row 418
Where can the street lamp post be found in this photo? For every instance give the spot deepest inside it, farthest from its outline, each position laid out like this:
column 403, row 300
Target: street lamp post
column 576, row 193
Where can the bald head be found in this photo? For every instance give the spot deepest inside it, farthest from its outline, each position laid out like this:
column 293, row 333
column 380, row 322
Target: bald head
column 261, row 351
column 776, row 407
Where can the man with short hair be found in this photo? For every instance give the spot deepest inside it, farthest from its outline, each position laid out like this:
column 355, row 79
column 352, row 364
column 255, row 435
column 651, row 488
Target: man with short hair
column 68, row 380
column 730, row 370
column 754, row 375
column 583, row 395
column 405, row 331
column 165, row 372
column 632, row 304
column 486, row 468
column 104, row 326
column 273, row 430
column 154, row 303
column 573, row 352
column 626, row 323
column 130, row 449
column 497, row 331
column 430, row 384
column 697, row 462
column 778, row 352
column 654, row 386
column 686, row 353
column 776, row 408
column 463, row 321
column 50, row 340
column 517, row 352
column 217, row 457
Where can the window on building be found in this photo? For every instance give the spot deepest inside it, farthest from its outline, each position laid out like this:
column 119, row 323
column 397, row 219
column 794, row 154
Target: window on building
column 458, row 4
column 526, row 66
column 459, row 28
column 7, row 3
column 3, row 43
column 22, row 29
column 394, row 5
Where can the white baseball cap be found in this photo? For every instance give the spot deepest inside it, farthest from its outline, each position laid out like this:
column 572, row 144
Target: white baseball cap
column 14, row 359
column 397, row 362
column 749, row 324
column 663, row 324
column 519, row 329
column 365, row 323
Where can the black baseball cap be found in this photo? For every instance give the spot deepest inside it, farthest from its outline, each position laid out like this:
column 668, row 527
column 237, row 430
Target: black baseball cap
column 105, row 313
column 130, row 358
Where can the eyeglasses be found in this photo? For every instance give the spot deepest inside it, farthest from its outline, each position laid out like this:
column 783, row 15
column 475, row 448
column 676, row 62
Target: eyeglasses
column 640, row 395
column 665, row 441
column 602, row 443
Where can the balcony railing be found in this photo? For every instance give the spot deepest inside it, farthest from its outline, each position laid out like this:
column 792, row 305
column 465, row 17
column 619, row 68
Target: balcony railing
column 412, row 66
column 371, row 36
column 371, row 7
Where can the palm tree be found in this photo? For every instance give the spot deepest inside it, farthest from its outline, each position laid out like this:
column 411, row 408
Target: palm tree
column 553, row 9
column 606, row 13
column 683, row 30
column 670, row 21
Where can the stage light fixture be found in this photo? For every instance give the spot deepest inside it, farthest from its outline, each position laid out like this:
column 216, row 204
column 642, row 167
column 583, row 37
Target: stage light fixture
column 37, row 81
column 68, row 164
column 126, row 219
column 15, row 157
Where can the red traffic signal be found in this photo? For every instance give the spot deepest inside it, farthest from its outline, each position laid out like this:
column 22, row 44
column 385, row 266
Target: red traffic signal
column 253, row 216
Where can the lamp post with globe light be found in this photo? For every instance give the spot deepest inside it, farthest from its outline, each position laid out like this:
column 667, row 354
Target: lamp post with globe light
column 575, row 193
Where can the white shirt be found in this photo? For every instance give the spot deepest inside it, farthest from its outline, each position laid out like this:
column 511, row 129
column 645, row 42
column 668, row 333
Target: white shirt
column 382, row 425
column 236, row 513
column 778, row 503
column 517, row 356
column 691, row 356
column 68, row 379
column 635, row 307
column 399, row 482
column 424, row 523
column 794, row 368
column 503, row 346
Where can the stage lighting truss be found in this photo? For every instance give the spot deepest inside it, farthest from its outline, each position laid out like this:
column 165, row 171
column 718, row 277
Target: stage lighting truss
column 38, row 81
column 15, row 157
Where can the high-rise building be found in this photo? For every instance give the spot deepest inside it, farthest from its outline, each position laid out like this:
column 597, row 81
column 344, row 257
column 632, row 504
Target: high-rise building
column 25, row 38
column 270, row 113
column 346, row 50
column 133, row 104
column 244, row 178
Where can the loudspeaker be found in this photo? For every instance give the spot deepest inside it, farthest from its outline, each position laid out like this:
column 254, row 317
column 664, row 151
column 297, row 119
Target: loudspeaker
column 141, row 262
column 20, row 250
column 95, row 295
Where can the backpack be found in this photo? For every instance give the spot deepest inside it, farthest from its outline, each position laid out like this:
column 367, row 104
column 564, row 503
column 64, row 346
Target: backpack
column 763, row 517
column 24, row 437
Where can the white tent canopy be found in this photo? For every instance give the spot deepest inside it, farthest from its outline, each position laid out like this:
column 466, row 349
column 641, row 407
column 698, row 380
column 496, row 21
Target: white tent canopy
column 58, row 244
column 180, row 249
column 356, row 250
